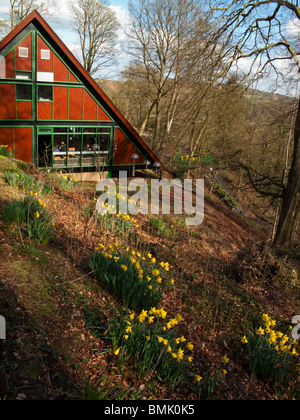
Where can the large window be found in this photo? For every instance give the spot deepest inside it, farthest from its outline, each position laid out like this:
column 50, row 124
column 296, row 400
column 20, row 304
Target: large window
column 79, row 146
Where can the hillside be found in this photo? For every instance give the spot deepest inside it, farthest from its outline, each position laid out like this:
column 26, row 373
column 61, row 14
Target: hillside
column 60, row 340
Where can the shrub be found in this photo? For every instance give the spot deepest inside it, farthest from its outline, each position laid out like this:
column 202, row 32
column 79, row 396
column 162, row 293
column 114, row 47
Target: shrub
column 231, row 201
column 152, row 343
column 134, row 280
column 221, row 191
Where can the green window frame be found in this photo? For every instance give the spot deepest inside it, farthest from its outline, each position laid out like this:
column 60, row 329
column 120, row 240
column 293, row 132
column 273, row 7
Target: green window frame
column 74, row 138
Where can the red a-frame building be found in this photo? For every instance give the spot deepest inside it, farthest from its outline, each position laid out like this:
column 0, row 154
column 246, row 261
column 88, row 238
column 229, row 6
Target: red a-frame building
column 53, row 114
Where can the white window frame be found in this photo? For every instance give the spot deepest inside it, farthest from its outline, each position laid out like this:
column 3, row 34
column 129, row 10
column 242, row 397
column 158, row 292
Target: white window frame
column 23, row 52
column 45, row 54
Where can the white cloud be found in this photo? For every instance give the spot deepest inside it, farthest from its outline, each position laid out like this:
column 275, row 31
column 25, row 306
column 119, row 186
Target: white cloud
column 293, row 28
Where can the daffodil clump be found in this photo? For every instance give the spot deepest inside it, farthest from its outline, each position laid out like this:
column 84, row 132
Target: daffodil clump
column 151, row 341
column 27, row 183
column 271, row 352
column 164, row 228
column 118, row 223
column 5, row 151
column 137, row 280
column 32, row 217
column 111, row 218
column 206, row 386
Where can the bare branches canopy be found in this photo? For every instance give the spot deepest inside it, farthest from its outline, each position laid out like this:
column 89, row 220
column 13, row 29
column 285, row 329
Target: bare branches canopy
column 96, row 25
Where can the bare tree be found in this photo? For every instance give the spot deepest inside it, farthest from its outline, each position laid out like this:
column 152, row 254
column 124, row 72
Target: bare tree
column 162, row 34
column 96, row 25
column 256, row 30
column 20, row 9
column 4, row 28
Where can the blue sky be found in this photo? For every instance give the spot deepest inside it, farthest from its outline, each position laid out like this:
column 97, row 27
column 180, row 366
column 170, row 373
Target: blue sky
column 62, row 25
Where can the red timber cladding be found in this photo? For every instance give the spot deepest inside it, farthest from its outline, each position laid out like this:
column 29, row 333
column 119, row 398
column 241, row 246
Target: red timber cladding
column 90, row 108
column 75, row 103
column 10, row 65
column 102, row 116
column 42, row 64
column 23, row 144
column 7, row 102
column 7, row 137
column 130, row 151
column 24, row 110
column 44, row 110
column 73, row 78
column 61, row 72
column 120, row 147
column 60, row 103
column 24, row 63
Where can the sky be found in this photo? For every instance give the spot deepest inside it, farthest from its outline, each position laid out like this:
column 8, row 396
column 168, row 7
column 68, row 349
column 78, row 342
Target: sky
column 62, row 25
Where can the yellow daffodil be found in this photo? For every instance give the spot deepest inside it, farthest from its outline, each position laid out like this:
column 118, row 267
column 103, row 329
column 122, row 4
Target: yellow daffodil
column 225, row 359
column 190, row 346
column 180, row 354
column 179, row 318
column 260, row 331
column 244, row 340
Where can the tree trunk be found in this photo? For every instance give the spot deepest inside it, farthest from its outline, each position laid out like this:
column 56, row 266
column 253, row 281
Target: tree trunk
column 291, row 202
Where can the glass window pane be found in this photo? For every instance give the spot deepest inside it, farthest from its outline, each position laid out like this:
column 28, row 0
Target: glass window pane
column 89, row 130
column 45, row 93
column 103, row 141
column 24, row 92
column 60, row 150
column 90, row 150
column 23, row 75
column 60, row 142
column 45, row 130
column 74, row 153
column 104, row 130
column 60, row 129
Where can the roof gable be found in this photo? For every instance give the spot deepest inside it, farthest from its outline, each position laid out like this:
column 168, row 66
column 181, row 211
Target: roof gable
column 43, row 27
